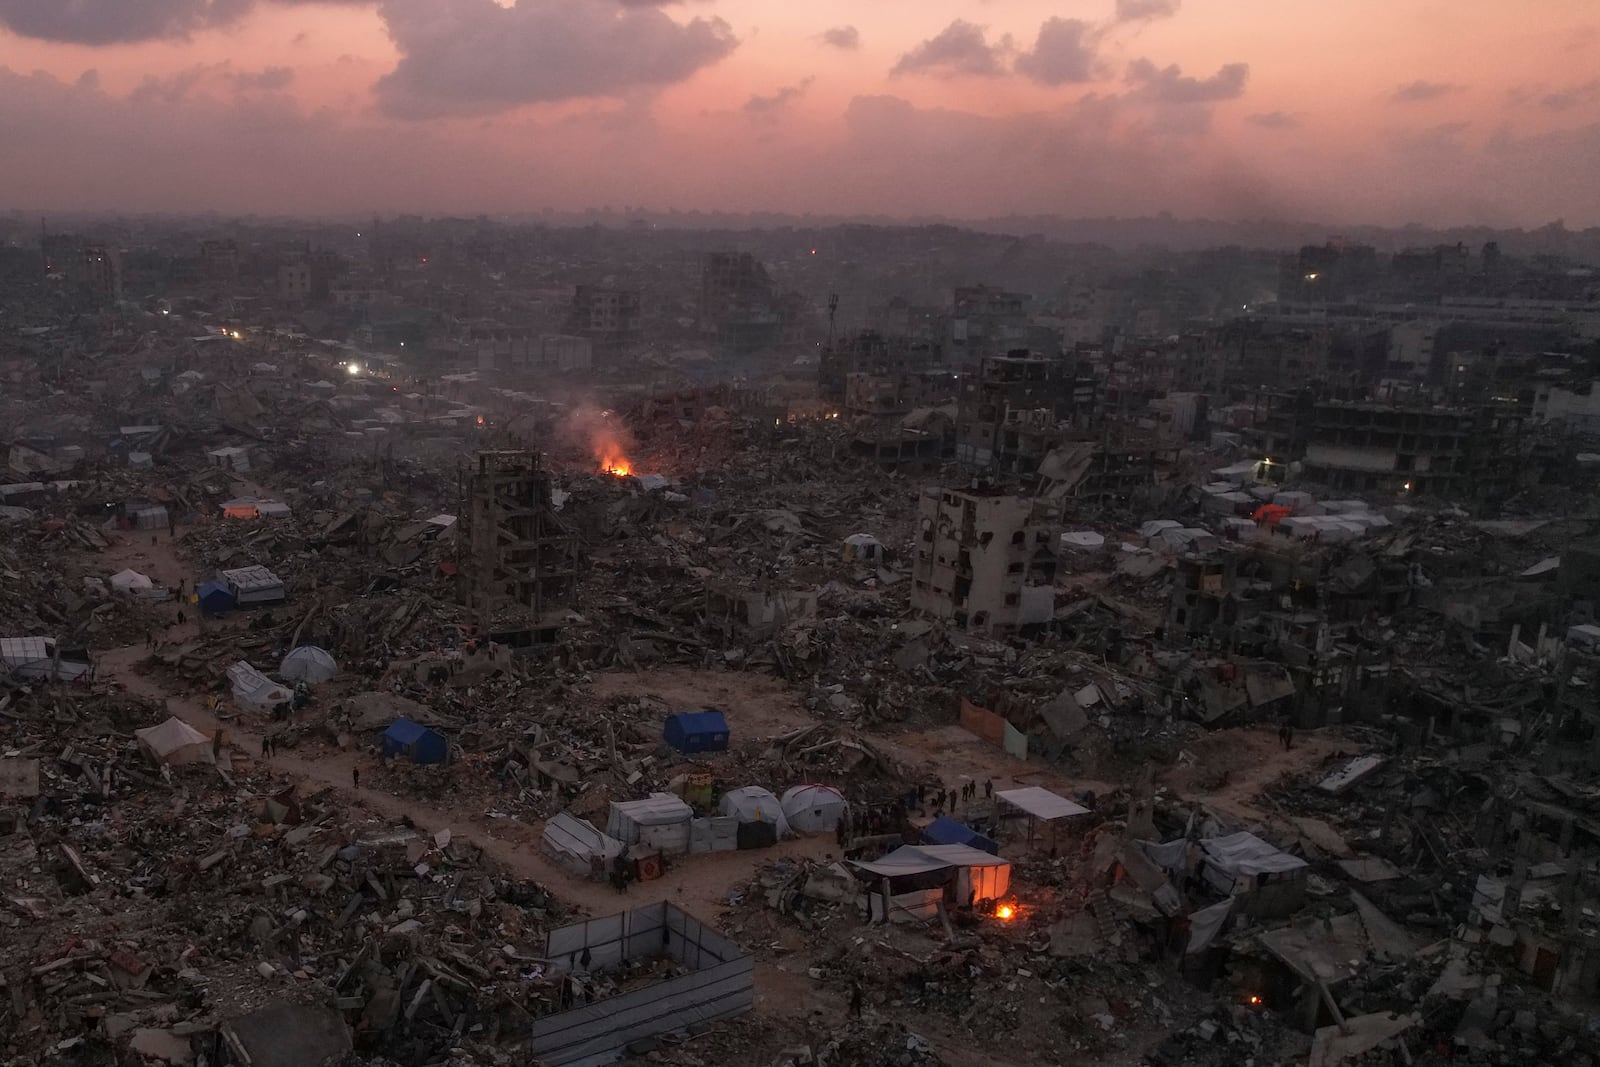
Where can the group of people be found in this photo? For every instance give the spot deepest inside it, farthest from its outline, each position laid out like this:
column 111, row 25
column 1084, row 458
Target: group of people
column 948, row 799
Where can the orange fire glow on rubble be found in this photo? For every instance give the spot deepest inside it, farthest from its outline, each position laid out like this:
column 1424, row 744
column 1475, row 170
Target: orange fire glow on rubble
column 613, row 461
column 1005, row 913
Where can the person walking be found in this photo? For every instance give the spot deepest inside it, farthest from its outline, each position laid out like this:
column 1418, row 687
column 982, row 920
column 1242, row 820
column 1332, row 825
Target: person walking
column 181, row 619
column 266, row 747
column 988, row 789
column 855, row 1000
column 216, row 744
column 355, row 777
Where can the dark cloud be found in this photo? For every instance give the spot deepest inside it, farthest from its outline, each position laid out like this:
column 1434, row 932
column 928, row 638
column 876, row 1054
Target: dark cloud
column 1574, row 96
column 1274, row 120
column 474, row 57
column 1136, row 10
column 1418, row 91
column 960, row 48
column 847, row 38
column 108, row 22
column 768, row 108
column 1169, row 85
column 1063, row 54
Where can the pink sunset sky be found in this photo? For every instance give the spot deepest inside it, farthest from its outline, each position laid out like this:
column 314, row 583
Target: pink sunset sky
column 1382, row 111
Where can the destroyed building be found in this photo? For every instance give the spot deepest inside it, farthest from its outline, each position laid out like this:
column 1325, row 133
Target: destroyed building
column 985, row 560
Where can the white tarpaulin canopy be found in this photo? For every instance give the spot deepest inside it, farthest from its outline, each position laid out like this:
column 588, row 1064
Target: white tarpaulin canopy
column 983, row 876
column 252, row 687
column 752, row 803
column 174, row 741
column 1041, row 803
column 575, row 844
column 814, row 809
column 1243, row 856
column 130, row 581
column 308, row 663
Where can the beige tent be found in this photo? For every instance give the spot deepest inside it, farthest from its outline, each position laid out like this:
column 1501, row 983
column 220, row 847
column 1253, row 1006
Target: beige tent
column 174, row 741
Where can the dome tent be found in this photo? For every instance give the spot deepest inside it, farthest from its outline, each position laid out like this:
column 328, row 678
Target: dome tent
column 308, row 663
column 752, row 803
column 814, row 809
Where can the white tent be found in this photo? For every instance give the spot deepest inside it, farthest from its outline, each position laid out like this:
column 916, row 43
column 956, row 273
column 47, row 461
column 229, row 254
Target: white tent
column 174, row 741
column 308, row 663
column 131, row 581
column 575, row 844
column 863, row 546
column 660, row 820
column 255, row 689
column 814, row 809
column 752, row 803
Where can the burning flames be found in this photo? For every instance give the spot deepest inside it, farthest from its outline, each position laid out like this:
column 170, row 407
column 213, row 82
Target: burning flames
column 616, row 464
column 1005, row 912
column 1254, row 1001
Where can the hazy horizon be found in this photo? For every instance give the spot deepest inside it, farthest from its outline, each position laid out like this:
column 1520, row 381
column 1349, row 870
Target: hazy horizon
column 1471, row 114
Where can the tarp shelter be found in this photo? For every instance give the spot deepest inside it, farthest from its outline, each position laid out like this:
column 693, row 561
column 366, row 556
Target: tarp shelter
column 1041, row 805
column 131, row 582
column 753, row 804
column 1083, row 540
column 1242, row 864
column 255, row 689
column 308, row 663
column 147, row 516
column 659, row 821
column 174, row 741
column 273, row 509
column 697, row 731
column 415, row 742
column 947, row 831
column 244, row 508
column 253, row 585
column 862, row 546
column 578, row 846
column 919, row 877
column 214, row 598
column 814, row 809
column 41, row 659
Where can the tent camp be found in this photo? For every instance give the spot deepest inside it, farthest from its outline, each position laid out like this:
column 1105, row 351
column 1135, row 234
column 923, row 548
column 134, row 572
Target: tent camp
column 131, row 582
column 416, row 742
column 659, row 821
column 214, row 598
column 308, row 663
column 916, row 878
column 758, row 809
column 256, row 690
column 175, row 742
column 697, row 731
column 814, row 809
column 947, row 831
column 577, row 846
column 42, row 659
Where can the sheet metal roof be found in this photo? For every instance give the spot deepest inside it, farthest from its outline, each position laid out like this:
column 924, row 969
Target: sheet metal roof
column 1041, row 803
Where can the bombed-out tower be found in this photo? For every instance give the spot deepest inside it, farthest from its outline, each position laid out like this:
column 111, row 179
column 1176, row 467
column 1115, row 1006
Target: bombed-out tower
column 520, row 561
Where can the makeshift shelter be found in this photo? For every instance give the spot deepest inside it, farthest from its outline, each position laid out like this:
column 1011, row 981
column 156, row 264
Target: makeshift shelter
column 253, row 585
column 244, row 508
column 760, row 811
column 659, row 821
column 1270, row 882
column 147, row 516
column 308, row 663
column 913, row 880
column 174, row 742
column 1041, row 805
column 131, row 582
column 697, row 731
column 577, row 846
column 42, row 659
column 1083, row 540
column 814, row 809
column 947, row 831
column 863, row 547
column 214, row 598
column 416, row 742
column 256, row 690
column 273, row 509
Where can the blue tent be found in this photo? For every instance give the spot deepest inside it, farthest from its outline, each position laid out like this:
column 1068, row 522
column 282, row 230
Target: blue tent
column 214, row 598
column 946, row 831
column 697, row 731
column 422, row 745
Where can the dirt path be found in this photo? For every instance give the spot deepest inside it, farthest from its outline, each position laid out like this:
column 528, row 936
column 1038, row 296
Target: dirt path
column 1254, row 759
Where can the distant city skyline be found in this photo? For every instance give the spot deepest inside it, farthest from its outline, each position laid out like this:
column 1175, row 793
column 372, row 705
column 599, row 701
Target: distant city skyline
column 1475, row 112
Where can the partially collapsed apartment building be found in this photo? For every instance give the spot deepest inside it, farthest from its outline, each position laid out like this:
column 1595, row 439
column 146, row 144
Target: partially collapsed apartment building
column 985, row 560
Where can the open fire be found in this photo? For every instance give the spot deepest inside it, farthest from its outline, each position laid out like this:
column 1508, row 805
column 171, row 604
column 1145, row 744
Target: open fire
column 1005, row 912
